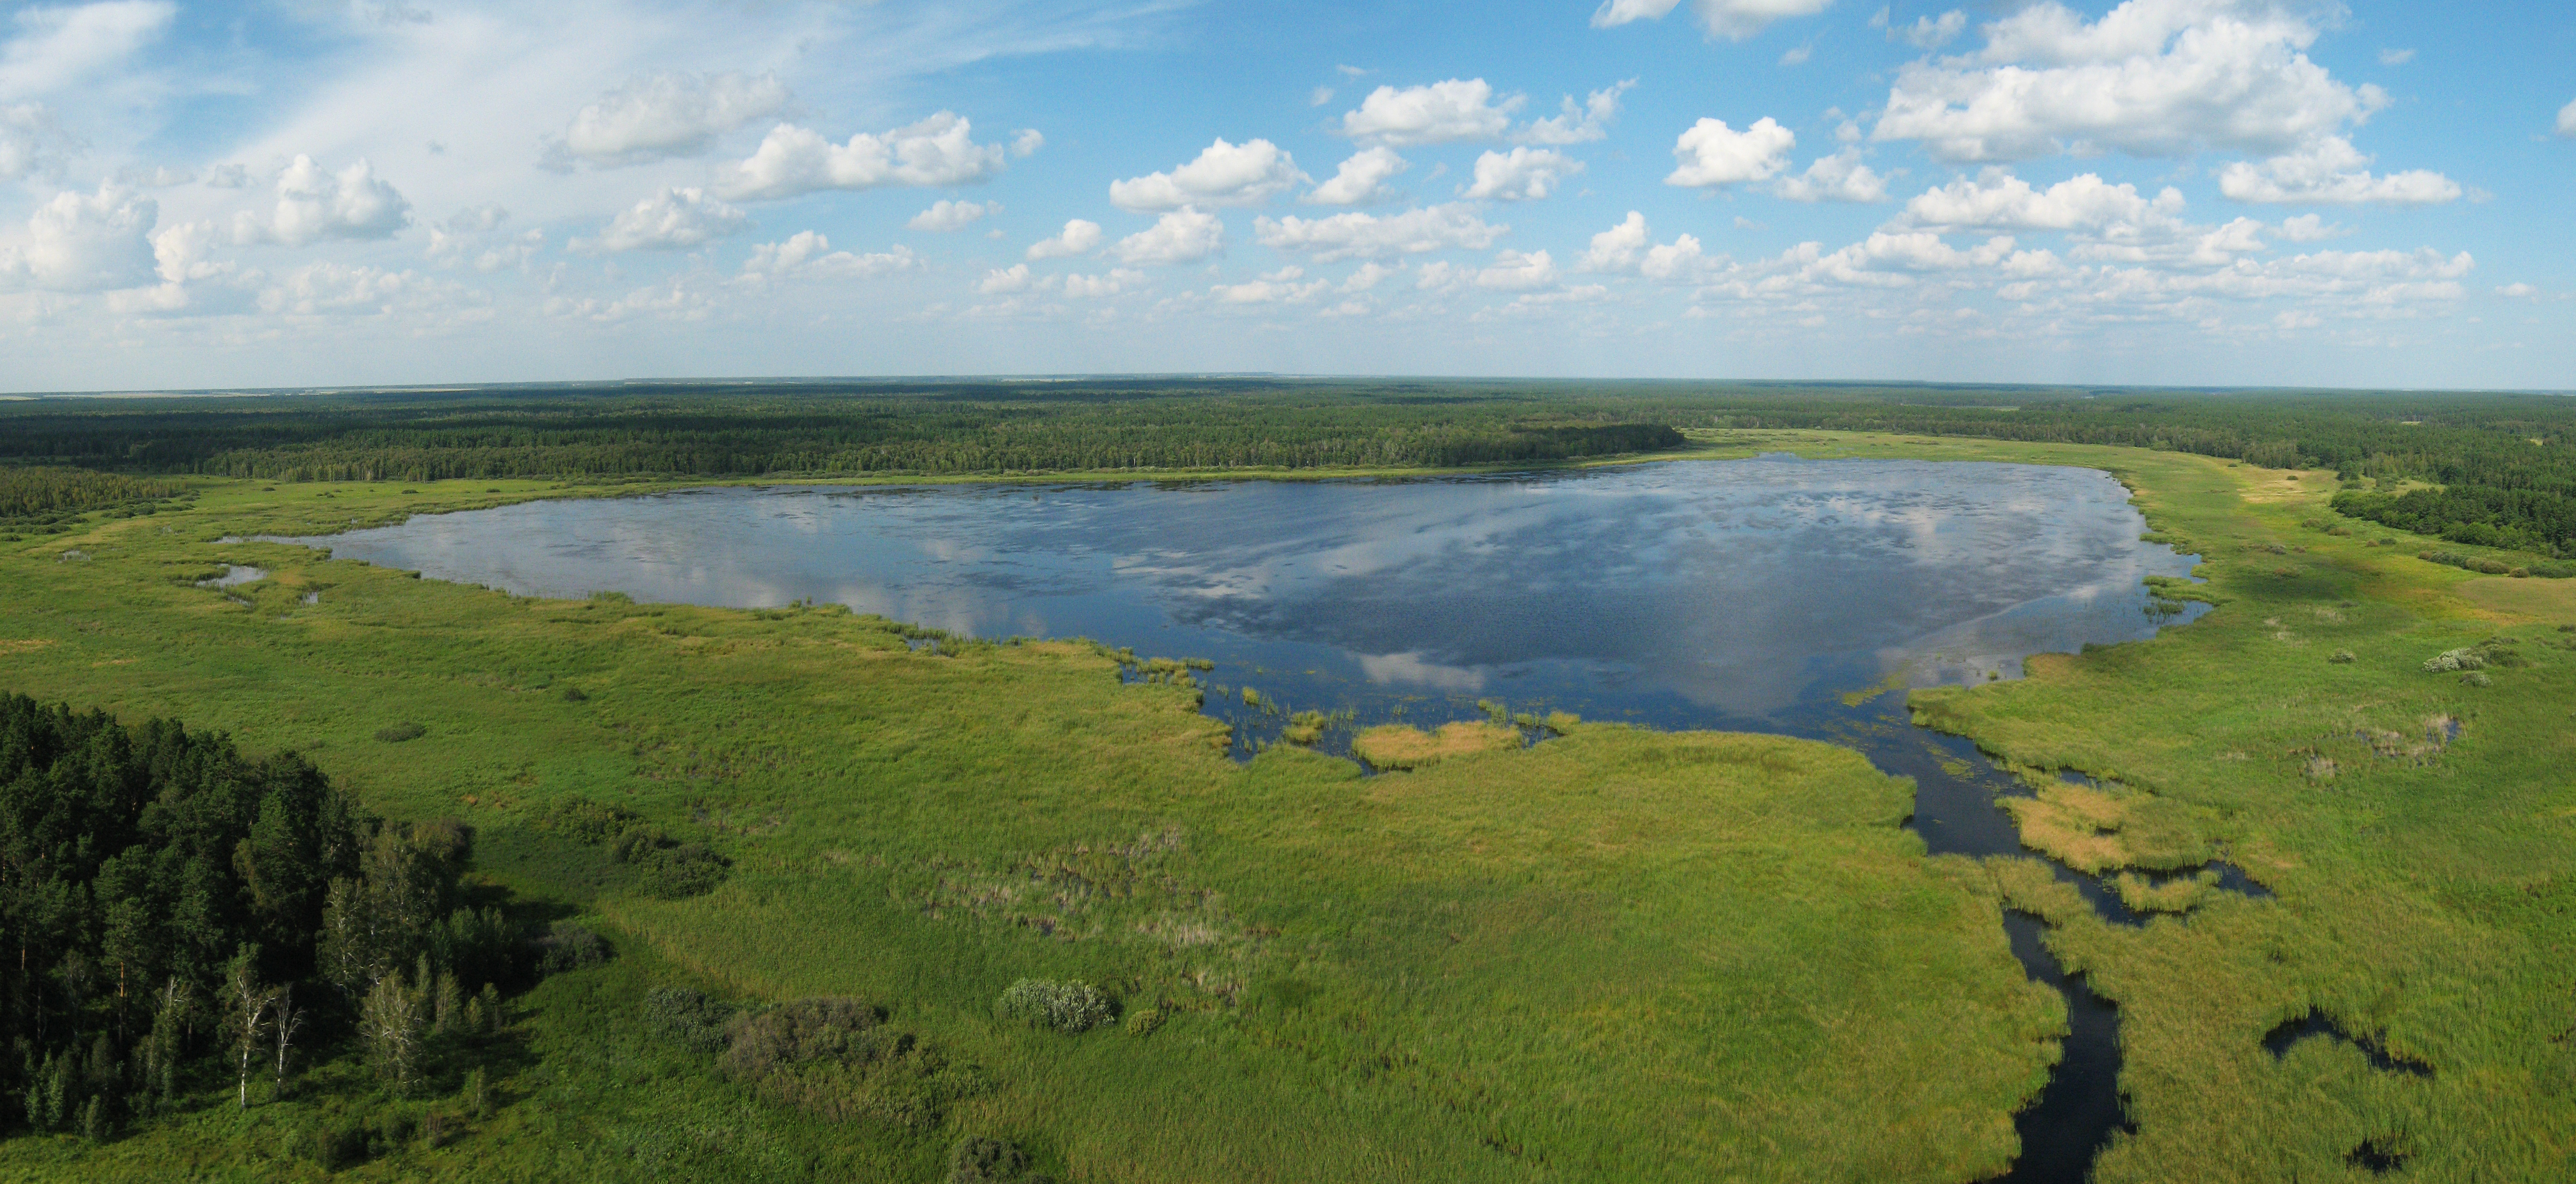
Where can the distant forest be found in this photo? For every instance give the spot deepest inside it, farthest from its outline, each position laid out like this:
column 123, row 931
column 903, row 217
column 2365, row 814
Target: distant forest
column 2483, row 469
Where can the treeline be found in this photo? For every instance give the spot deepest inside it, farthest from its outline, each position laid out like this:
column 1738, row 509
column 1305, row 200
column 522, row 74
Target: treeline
column 190, row 922
column 818, row 431
column 41, row 495
column 2506, row 464
column 2503, row 461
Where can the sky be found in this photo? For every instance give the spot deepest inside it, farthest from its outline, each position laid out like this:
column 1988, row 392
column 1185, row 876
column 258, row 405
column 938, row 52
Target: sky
column 296, row 193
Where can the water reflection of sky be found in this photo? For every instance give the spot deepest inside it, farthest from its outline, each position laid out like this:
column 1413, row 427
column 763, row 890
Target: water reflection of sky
column 1685, row 593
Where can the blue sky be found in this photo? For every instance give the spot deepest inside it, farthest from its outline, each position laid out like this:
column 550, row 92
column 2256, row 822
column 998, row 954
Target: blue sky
column 308, row 192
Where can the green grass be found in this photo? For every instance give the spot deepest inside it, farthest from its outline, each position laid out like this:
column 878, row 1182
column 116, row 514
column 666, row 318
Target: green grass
column 1615, row 956
column 2426, row 890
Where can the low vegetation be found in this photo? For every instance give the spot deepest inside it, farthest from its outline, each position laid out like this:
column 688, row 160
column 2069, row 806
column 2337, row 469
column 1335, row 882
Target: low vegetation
column 653, row 892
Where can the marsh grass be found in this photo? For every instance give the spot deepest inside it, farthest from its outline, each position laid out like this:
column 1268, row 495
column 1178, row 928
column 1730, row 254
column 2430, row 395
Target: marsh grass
column 1402, row 747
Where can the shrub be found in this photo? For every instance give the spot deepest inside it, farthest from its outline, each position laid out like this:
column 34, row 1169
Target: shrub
column 2341, row 658
column 835, row 1058
column 667, row 868
column 978, row 1159
column 1145, row 1021
column 2476, row 678
column 1067, row 1007
column 566, row 946
column 2451, row 660
column 689, row 1018
column 398, row 733
column 804, row 1031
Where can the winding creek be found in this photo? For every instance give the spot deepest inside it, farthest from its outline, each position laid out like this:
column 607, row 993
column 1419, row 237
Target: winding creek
column 1772, row 595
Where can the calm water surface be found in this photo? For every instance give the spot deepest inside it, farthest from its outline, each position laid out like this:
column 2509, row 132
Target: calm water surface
column 1689, row 594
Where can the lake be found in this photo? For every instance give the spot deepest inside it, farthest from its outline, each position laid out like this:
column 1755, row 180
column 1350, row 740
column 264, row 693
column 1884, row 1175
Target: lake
column 1743, row 594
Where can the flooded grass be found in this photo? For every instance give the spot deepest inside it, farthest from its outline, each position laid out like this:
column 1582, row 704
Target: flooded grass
column 1398, row 746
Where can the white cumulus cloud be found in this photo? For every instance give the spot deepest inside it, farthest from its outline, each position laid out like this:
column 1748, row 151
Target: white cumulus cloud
column 661, row 116
column 1523, row 174
column 2330, row 171
column 1997, row 200
column 1278, row 287
column 1839, row 177
column 1077, row 237
column 79, row 242
column 1361, row 179
column 810, row 255
column 1003, row 280
column 1710, row 153
column 1223, row 175
column 1630, row 248
column 1372, row 236
column 1578, row 125
column 1106, row 284
column 2150, row 78
column 2567, row 119
column 1926, row 32
column 793, row 160
column 315, row 204
column 1514, row 271
column 1440, row 113
column 672, row 220
column 1734, row 20
column 951, row 215
column 1185, row 235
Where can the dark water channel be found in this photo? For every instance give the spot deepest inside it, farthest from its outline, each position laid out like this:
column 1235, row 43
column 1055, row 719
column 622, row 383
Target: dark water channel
column 1771, row 595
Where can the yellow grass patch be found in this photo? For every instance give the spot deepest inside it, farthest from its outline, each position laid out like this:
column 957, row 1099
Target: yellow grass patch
column 1395, row 746
column 2264, row 486
column 2544, row 601
column 2075, row 824
column 22, row 645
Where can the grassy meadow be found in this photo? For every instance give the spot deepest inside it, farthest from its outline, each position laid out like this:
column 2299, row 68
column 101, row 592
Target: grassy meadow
column 1618, row 955
column 1615, row 955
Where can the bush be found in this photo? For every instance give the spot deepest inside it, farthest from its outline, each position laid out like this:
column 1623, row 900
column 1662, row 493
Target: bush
column 978, row 1159
column 835, row 1058
column 689, row 1018
column 1145, row 1021
column 804, row 1031
column 2451, row 660
column 398, row 733
column 2476, row 678
column 2341, row 658
column 1067, row 1007
column 567, row 946
column 667, row 868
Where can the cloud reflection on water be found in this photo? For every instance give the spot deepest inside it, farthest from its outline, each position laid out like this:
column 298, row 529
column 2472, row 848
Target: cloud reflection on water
column 1727, row 589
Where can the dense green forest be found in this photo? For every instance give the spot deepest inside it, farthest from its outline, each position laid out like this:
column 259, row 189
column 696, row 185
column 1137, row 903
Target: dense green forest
column 190, row 922
column 2502, row 463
